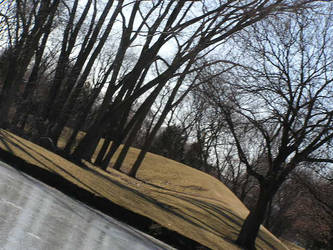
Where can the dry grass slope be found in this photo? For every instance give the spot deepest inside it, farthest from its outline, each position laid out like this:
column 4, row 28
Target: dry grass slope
column 292, row 246
column 174, row 195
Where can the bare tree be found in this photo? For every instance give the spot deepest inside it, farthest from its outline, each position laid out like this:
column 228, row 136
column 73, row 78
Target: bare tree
column 207, row 27
column 32, row 20
column 69, row 39
column 282, row 101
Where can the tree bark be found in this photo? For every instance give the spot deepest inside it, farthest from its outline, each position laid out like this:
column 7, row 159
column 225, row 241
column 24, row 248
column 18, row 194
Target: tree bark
column 247, row 236
column 88, row 144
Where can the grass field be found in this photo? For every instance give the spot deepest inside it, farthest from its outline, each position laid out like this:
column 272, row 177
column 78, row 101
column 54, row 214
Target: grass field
column 174, row 195
column 291, row 245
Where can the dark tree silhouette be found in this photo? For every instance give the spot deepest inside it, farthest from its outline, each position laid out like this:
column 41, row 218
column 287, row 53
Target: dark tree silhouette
column 281, row 104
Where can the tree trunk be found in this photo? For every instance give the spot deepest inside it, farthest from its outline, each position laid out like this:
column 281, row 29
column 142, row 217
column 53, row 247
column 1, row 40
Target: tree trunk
column 104, row 120
column 114, row 146
column 55, row 132
column 147, row 144
column 6, row 97
column 69, row 101
column 88, row 144
column 267, row 222
column 118, row 138
column 151, row 136
column 128, row 83
column 248, row 234
column 75, row 81
column 103, row 150
column 68, row 41
column 119, row 134
column 27, row 96
column 130, row 140
column 21, row 56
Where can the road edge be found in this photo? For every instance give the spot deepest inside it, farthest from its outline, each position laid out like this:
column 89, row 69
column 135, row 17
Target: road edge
column 101, row 204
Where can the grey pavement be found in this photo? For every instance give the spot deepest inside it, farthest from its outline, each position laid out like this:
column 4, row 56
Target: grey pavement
column 36, row 216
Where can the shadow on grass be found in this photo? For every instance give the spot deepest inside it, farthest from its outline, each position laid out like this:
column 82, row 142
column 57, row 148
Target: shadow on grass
column 219, row 213
column 5, row 143
column 214, row 211
column 89, row 197
column 106, row 206
column 42, row 156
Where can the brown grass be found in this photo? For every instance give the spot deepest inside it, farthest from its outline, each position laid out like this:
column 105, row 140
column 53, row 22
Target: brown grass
column 291, row 245
column 174, row 195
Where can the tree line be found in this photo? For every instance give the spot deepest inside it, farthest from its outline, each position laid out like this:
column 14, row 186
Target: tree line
column 258, row 73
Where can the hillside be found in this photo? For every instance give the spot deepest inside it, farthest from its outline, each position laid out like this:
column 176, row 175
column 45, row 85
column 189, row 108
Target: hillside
column 173, row 195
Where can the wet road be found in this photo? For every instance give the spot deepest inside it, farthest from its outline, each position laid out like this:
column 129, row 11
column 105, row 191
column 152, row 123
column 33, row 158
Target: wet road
column 35, row 216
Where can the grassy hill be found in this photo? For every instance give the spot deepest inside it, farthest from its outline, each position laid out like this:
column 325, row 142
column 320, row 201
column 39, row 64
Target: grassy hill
column 169, row 193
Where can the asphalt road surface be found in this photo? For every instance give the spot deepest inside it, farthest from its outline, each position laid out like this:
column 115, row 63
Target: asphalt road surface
column 35, row 216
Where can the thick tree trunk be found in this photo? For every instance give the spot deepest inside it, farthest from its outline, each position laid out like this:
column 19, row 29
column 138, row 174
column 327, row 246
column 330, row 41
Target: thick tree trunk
column 8, row 90
column 135, row 125
column 117, row 140
column 88, row 144
column 104, row 120
column 76, row 129
column 119, row 135
column 248, row 234
column 84, row 114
